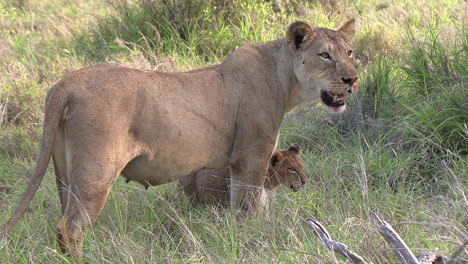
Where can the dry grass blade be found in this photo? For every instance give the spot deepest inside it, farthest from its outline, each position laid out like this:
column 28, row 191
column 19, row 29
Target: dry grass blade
column 363, row 179
column 3, row 111
column 337, row 247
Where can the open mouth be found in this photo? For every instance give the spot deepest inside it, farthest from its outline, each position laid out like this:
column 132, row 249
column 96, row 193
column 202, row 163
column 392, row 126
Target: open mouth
column 332, row 100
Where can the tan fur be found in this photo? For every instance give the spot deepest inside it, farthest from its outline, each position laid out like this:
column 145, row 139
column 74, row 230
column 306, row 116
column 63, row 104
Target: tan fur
column 156, row 127
column 212, row 185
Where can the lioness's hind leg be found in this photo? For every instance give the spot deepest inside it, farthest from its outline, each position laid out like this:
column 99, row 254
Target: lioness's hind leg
column 90, row 180
column 86, row 198
column 60, row 166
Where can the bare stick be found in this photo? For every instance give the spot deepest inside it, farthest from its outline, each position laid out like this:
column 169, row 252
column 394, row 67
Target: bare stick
column 338, row 247
column 401, row 250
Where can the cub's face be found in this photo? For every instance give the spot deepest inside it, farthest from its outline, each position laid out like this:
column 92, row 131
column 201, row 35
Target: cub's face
column 323, row 61
column 289, row 168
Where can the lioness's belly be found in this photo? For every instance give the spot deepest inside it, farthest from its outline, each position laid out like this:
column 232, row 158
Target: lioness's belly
column 159, row 170
column 182, row 134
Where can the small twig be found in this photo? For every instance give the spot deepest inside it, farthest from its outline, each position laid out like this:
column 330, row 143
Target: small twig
column 338, row 247
column 458, row 251
column 401, row 250
column 13, row 120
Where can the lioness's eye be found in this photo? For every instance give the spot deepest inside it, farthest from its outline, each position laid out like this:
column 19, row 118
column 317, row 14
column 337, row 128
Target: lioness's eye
column 292, row 169
column 325, row 55
column 350, row 53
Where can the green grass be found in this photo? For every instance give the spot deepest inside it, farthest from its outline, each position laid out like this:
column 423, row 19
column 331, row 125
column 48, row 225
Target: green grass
column 400, row 149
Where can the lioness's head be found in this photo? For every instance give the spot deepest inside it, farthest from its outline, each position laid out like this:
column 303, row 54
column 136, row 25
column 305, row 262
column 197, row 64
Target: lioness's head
column 323, row 62
column 287, row 168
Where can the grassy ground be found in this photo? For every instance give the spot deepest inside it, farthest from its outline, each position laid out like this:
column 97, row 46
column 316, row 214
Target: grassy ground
column 400, row 150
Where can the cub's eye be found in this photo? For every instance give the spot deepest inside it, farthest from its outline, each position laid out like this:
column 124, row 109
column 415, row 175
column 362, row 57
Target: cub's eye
column 350, row 53
column 292, row 169
column 325, row 55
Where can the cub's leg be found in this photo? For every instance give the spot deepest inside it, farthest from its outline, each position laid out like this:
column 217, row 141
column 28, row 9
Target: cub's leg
column 189, row 186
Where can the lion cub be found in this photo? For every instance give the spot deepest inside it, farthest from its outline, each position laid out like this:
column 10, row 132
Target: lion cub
column 211, row 185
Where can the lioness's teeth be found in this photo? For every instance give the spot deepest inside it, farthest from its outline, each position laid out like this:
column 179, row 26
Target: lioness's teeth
column 335, row 97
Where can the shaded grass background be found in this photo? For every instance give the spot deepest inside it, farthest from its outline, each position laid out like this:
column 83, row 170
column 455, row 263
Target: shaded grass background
column 400, row 149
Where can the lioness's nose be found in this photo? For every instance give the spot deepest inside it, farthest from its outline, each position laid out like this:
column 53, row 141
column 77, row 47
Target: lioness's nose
column 350, row 80
column 303, row 182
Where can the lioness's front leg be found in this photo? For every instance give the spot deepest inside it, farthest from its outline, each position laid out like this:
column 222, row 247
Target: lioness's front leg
column 256, row 135
column 248, row 172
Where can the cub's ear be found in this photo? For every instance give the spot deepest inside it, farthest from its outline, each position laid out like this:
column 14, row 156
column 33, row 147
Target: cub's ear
column 299, row 35
column 295, row 148
column 348, row 30
column 275, row 158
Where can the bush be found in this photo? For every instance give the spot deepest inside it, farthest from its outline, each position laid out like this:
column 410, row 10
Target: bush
column 206, row 30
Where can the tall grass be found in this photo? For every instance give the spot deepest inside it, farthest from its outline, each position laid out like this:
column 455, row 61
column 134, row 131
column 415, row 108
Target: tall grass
column 400, row 149
column 437, row 98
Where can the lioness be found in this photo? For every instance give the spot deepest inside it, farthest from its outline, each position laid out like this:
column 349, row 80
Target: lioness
column 212, row 185
column 157, row 127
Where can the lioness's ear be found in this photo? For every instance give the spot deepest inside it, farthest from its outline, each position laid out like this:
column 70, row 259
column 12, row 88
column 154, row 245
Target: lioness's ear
column 275, row 158
column 348, row 30
column 295, row 148
column 298, row 35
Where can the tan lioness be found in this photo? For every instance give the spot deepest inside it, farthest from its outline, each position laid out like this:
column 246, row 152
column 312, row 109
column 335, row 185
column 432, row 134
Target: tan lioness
column 156, row 127
column 211, row 186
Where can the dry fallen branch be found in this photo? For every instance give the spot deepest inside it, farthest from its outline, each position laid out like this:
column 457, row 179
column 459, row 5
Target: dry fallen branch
column 338, row 247
column 428, row 257
column 401, row 250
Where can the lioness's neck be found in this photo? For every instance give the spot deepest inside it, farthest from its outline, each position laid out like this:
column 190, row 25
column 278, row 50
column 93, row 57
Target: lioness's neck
column 285, row 71
column 273, row 60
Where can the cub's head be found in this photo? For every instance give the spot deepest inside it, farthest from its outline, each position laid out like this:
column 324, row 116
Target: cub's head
column 323, row 61
column 287, row 168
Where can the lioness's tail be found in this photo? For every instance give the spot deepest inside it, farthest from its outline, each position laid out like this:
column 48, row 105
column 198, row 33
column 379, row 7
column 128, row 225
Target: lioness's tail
column 55, row 104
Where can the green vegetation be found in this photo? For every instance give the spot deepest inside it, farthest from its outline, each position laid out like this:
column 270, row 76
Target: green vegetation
column 399, row 150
